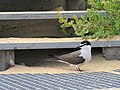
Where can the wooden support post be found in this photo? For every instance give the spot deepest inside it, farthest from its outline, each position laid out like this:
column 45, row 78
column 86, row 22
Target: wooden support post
column 6, row 59
column 111, row 53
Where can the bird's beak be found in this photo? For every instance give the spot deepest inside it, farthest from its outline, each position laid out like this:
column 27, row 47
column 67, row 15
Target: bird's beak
column 80, row 46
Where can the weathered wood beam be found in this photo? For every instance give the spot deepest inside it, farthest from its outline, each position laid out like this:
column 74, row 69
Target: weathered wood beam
column 41, row 15
column 111, row 53
column 54, row 45
column 6, row 59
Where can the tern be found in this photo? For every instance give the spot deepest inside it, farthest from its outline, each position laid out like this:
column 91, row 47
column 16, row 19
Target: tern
column 76, row 58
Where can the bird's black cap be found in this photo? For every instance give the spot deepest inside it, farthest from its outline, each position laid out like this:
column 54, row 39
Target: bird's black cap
column 85, row 43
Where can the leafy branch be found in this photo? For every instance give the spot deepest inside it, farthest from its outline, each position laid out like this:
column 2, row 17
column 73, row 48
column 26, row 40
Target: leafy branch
column 95, row 25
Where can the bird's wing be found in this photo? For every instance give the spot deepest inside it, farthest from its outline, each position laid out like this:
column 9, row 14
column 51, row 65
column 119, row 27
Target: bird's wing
column 72, row 58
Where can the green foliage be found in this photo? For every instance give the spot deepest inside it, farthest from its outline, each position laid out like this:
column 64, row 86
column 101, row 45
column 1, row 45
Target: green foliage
column 95, row 25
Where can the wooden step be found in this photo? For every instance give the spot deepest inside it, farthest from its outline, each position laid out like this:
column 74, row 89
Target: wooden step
column 41, row 15
column 9, row 45
column 53, row 43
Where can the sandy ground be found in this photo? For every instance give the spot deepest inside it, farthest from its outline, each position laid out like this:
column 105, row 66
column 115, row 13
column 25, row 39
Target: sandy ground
column 97, row 64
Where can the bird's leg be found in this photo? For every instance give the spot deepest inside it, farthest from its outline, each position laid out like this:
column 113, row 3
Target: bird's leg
column 78, row 68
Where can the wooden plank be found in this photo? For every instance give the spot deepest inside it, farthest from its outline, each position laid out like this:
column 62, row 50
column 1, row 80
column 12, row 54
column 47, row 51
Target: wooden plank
column 55, row 45
column 2, row 60
column 6, row 59
column 52, row 43
column 41, row 15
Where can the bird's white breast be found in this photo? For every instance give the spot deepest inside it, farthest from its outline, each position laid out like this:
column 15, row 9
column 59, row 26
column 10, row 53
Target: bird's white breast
column 86, row 53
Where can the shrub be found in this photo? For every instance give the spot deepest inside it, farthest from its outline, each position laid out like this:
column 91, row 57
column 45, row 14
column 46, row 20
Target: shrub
column 95, row 25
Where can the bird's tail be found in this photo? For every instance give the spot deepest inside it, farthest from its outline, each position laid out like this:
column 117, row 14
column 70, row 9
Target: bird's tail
column 54, row 57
